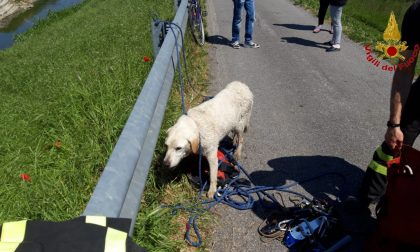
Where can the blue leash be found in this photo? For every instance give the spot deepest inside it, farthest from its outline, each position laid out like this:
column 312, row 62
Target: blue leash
column 244, row 192
column 169, row 25
column 181, row 83
column 191, row 222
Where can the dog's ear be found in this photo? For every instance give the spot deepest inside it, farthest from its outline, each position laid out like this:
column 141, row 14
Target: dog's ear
column 169, row 130
column 194, row 145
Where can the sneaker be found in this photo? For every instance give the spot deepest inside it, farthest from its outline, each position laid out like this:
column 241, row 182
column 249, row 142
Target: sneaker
column 334, row 48
column 251, row 45
column 331, row 30
column 235, row 45
column 328, row 43
column 317, row 28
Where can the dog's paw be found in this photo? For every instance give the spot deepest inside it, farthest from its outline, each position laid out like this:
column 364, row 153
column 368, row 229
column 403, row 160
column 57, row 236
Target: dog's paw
column 210, row 194
column 237, row 156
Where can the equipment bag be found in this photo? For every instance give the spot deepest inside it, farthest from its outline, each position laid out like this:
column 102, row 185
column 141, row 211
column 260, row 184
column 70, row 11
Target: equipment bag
column 399, row 210
column 225, row 173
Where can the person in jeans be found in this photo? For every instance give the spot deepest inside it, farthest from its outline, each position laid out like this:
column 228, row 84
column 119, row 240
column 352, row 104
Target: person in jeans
column 336, row 9
column 249, row 23
column 323, row 6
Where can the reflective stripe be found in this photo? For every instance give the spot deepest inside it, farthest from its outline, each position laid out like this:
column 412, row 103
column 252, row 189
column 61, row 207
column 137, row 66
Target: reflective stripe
column 98, row 220
column 382, row 155
column 8, row 246
column 115, row 240
column 13, row 231
column 378, row 167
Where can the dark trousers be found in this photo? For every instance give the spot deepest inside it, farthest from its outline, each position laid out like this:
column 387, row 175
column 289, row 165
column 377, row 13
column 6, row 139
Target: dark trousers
column 373, row 183
column 323, row 6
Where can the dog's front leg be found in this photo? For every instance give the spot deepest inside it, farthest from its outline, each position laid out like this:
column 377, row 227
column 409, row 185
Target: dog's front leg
column 240, row 143
column 212, row 159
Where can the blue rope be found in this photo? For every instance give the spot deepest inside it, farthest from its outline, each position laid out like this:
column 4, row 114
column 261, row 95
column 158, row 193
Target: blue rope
column 181, row 83
column 191, row 222
column 196, row 212
column 169, row 25
column 243, row 192
column 183, row 51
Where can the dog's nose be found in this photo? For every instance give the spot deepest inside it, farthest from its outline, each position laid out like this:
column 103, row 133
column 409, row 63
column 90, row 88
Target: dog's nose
column 166, row 163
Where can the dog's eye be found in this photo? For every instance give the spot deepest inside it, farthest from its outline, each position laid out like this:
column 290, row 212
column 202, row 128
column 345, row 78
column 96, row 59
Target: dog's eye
column 178, row 148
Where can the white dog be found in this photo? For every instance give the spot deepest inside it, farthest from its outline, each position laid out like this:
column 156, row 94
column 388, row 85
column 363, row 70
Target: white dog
column 207, row 124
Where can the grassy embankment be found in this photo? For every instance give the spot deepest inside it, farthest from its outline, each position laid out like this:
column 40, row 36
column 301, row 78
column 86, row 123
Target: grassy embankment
column 365, row 21
column 66, row 90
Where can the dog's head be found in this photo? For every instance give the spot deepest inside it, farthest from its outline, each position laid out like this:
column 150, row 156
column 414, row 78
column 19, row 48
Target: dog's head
column 181, row 141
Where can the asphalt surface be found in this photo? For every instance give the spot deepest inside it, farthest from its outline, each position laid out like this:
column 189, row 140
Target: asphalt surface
column 314, row 112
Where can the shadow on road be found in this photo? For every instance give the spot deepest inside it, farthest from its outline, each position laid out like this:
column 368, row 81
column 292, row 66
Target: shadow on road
column 323, row 177
column 331, row 175
column 304, row 42
column 297, row 26
column 218, row 40
column 301, row 27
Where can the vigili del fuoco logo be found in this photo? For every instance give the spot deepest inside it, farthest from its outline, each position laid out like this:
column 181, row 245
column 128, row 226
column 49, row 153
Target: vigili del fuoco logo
column 390, row 48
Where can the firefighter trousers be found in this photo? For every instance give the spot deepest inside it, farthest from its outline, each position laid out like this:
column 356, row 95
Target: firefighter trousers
column 374, row 181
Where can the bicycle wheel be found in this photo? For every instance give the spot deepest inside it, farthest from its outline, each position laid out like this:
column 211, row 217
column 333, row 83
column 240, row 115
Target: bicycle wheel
column 196, row 23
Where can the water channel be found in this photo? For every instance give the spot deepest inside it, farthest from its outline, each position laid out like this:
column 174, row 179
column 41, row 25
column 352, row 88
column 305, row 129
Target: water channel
column 27, row 19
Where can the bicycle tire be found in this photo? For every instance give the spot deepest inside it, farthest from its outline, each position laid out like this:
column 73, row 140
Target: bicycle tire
column 196, row 24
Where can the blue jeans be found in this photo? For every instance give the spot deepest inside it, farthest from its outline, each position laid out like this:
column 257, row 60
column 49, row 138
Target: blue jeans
column 250, row 18
column 336, row 12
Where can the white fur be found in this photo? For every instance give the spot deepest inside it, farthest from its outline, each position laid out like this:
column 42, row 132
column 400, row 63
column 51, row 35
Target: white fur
column 207, row 124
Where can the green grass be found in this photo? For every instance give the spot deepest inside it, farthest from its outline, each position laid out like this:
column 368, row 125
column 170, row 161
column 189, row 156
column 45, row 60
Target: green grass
column 66, row 90
column 74, row 77
column 365, row 21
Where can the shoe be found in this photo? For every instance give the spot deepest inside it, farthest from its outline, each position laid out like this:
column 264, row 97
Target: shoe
column 356, row 206
column 251, row 45
column 333, row 49
column 317, row 28
column 331, row 30
column 235, row 45
column 328, row 43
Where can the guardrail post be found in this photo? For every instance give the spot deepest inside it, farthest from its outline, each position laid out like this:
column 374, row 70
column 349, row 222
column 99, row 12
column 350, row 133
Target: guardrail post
column 176, row 4
column 158, row 35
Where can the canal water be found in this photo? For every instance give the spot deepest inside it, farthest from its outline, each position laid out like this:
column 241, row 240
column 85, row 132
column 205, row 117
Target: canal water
column 27, row 19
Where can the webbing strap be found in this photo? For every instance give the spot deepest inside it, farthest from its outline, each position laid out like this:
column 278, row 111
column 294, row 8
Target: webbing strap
column 115, row 240
column 382, row 155
column 13, row 231
column 98, row 220
column 9, row 246
column 378, row 167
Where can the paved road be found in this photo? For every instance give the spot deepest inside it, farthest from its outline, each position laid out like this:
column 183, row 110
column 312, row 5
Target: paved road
column 314, row 111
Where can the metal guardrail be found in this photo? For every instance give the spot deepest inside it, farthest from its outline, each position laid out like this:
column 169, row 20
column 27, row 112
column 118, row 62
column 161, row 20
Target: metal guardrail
column 120, row 187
